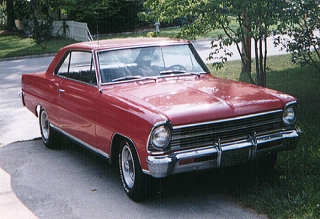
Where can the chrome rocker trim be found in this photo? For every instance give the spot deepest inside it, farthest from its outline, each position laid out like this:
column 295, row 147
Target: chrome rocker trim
column 80, row 142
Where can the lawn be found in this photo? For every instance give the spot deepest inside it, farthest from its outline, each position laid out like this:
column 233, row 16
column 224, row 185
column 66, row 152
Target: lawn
column 20, row 45
column 292, row 190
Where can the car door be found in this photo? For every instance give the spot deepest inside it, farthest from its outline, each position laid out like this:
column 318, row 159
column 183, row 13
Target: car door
column 77, row 96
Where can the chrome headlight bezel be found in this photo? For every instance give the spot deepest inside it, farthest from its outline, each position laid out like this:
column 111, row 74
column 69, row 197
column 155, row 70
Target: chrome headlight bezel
column 289, row 115
column 159, row 138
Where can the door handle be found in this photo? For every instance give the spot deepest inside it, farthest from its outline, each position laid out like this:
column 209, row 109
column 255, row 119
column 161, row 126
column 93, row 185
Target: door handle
column 60, row 91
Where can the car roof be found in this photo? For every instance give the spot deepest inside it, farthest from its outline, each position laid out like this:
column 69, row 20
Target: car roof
column 125, row 43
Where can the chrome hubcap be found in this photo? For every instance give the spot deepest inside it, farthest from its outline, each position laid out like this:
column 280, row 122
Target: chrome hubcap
column 44, row 125
column 128, row 166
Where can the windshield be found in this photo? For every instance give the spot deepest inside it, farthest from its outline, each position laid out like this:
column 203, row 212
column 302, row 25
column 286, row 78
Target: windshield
column 135, row 63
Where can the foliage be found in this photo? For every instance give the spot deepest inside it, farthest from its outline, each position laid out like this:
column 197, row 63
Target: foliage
column 106, row 15
column 42, row 21
column 37, row 18
column 42, row 29
column 102, row 16
column 2, row 15
column 301, row 33
column 22, row 10
column 254, row 17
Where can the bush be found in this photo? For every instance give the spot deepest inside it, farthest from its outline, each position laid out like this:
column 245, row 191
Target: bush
column 152, row 34
column 42, row 30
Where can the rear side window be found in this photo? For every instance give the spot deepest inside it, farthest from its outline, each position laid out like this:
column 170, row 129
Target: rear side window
column 78, row 65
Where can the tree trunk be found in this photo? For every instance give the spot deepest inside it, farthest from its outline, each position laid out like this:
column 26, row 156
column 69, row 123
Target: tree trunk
column 257, row 60
column 246, row 48
column 260, row 80
column 265, row 62
column 246, row 51
column 10, row 16
column 34, row 7
column 261, row 61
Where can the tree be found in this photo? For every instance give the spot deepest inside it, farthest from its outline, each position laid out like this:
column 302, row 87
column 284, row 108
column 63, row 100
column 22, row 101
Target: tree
column 107, row 15
column 301, row 23
column 2, row 14
column 37, row 17
column 254, row 19
column 263, row 16
column 41, row 21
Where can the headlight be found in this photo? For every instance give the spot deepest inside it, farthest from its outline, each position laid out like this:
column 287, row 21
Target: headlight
column 289, row 115
column 160, row 137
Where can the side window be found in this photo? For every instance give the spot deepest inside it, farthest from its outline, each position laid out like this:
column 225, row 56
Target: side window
column 78, row 66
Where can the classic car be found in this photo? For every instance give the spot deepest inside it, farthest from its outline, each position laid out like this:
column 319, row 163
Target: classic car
column 151, row 106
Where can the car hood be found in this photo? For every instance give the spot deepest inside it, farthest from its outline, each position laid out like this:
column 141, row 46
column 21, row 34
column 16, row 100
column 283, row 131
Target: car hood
column 192, row 99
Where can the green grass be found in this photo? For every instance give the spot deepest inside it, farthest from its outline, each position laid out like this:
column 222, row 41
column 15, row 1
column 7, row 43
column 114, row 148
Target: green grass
column 293, row 190
column 19, row 45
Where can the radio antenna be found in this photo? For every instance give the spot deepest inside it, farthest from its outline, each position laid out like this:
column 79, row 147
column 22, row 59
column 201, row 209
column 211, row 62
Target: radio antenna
column 98, row 34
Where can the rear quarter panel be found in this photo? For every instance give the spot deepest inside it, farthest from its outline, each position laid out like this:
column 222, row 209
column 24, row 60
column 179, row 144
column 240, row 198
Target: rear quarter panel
column 39, row 90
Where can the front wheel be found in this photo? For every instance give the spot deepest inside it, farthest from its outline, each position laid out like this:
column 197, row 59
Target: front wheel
column 133, row 180
column 49, row 136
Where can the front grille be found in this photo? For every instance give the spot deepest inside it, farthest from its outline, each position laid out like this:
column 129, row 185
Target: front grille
column 204, row 134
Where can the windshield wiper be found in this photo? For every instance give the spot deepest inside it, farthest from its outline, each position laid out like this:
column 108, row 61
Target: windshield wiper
column 133, row 77
column 173, row 72
column 169, row 72
column 129, row 77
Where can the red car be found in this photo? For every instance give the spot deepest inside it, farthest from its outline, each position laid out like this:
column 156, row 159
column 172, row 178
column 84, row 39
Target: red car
column 152, row 106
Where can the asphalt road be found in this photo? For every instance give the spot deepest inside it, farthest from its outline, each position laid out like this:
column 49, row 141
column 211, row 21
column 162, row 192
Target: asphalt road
column 72, row 183
column 36, row 182
column 16, row 122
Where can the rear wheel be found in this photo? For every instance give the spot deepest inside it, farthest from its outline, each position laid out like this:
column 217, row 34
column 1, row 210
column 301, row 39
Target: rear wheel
column 133, row 180
column 49, row 136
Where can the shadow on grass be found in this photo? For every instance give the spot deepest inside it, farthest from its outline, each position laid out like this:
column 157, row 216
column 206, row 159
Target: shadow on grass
column 295, row 189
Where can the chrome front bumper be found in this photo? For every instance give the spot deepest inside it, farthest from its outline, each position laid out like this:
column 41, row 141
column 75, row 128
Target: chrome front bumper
column 221, row 154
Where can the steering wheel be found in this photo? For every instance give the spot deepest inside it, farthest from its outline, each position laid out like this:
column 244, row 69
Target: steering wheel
column 177, row 67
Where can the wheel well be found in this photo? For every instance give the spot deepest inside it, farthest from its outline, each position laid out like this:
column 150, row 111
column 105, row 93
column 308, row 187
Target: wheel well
column 37, row 110
column 115, row 148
